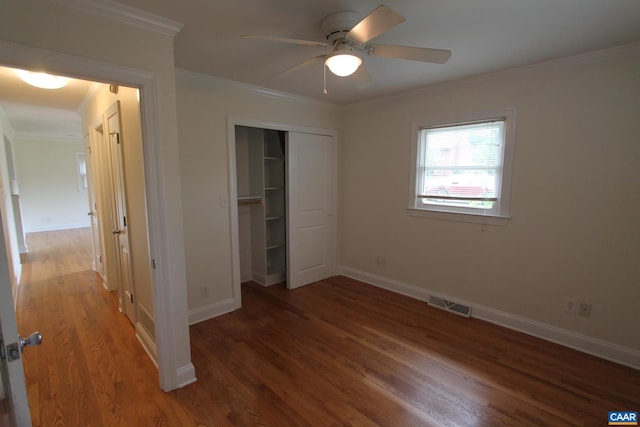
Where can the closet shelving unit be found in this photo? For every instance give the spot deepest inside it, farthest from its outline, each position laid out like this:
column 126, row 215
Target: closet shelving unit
column 261, row 184
column 274, row 202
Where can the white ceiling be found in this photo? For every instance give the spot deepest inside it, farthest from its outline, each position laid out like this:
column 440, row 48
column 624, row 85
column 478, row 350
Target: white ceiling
column 42, row 113
column 484, row 36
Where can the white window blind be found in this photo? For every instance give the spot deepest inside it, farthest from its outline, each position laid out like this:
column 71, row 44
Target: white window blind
column 460, row 167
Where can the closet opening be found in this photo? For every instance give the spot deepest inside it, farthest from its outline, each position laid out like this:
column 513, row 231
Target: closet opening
column 262, row 204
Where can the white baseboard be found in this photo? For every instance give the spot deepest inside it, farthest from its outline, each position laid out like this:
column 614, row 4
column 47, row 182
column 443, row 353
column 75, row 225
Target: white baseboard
column 148, row 343
column 586, row 344
column 210, row 311
column 56, row 227
column 185, row 375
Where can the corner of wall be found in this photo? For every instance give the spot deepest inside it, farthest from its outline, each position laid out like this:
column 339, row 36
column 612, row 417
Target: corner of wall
column 586, row 344
column 210, row 311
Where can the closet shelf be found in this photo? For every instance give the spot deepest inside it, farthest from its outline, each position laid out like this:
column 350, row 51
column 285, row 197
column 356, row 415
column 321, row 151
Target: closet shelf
column 273, row 188
column 273, row 158
column 273, row 218
column 278, row 274
column 249, row 200
column 274, row 245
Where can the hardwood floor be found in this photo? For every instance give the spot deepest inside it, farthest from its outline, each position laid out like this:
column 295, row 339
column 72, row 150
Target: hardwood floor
column 338, row 352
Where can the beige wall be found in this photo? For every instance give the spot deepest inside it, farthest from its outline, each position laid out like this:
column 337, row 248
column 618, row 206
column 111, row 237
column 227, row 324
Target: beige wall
column 203, row 107
column 575, row 197
column 135, row 188
column 49, row 192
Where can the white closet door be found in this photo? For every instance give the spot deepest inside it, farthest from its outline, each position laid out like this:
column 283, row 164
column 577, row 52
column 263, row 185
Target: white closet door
column 311, row 237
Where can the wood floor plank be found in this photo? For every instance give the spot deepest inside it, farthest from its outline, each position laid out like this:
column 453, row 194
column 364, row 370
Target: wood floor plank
column 335, row 353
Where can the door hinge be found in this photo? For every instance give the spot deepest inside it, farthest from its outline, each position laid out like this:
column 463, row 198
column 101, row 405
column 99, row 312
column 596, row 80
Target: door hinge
column 124, row 220
column 131, row 298
column 153, row 264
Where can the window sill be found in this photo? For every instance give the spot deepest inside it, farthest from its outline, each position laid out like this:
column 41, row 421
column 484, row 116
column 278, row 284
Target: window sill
column 502, row 221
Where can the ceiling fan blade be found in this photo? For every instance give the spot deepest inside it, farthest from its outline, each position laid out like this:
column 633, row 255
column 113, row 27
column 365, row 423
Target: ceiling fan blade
column 377, row 22
column 286, row 40
column 438, row 56
column 299, row 66
column 362, row 78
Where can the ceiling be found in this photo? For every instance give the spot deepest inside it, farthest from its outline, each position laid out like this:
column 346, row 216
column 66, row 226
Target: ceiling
column 484, row 36
column 43, row 113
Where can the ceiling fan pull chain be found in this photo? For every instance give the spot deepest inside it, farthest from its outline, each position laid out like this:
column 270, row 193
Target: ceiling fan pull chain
column 324, row 79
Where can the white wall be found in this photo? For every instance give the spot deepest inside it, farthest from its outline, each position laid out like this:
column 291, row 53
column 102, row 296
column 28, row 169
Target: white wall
column 49, row 193
column 203, row 107
column 575, row 198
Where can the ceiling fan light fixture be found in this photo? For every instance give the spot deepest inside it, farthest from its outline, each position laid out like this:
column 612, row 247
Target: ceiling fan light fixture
column 42, row 80
column 343, row 64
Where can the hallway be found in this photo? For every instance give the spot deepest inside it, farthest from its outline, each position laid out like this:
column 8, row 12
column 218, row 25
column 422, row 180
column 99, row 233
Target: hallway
column 90, row 368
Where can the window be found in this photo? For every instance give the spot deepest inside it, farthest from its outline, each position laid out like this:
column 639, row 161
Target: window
column 464, row 167
column 81, row 171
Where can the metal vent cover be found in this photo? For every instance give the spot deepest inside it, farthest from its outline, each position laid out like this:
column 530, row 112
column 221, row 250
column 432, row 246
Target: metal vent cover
column 451, row 306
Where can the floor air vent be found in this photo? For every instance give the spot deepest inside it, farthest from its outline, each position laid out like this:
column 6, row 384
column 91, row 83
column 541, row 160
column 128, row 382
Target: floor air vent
column 453, row 307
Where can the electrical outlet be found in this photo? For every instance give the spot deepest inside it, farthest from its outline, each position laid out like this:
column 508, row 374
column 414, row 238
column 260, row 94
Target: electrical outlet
column 204, row 292
column 571, row 305
column 585, row 309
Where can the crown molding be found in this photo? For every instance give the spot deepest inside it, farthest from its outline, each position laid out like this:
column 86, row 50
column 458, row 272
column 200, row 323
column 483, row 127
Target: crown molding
column 119, row 12
column 272, row 93
column 5, row 125
column 94, row 89
column 47, row 137
column 584, row 58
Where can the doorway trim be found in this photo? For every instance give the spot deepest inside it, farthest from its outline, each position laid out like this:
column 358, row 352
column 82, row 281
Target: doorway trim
column 232, row 122
column 167, row 312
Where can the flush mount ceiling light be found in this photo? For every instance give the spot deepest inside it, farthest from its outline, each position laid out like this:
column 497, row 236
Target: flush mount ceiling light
column 42, row 80
column 342, row 63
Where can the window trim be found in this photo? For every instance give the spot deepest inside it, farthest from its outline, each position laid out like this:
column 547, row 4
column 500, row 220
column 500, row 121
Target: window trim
column 502, row 217
column 83, row 184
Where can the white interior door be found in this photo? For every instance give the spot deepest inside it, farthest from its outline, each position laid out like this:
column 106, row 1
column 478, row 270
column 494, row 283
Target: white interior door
column 120, row 228
column 14, row 406
column 93, row 211
column 311, row 190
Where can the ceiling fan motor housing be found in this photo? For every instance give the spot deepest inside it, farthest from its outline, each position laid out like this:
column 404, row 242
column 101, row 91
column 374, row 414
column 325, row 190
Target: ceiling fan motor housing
column 337, row 25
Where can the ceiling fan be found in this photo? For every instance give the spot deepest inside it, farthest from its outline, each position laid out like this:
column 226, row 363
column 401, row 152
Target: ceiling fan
column 349, row 42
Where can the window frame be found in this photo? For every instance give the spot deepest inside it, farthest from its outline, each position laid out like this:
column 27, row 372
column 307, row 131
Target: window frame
column 501, row 216
column 82, row 178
